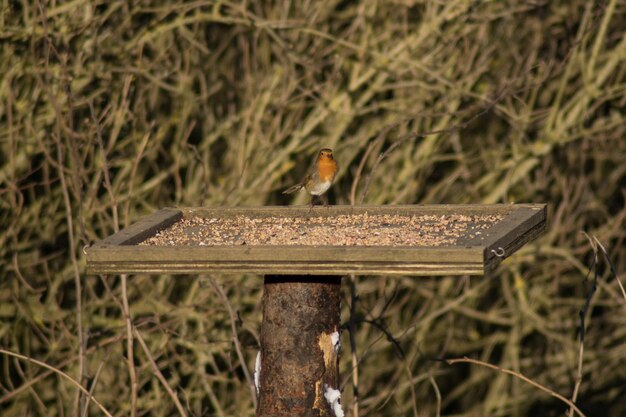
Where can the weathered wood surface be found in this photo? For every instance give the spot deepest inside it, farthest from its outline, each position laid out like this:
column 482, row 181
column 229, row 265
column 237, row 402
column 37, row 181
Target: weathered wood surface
column 143, row 228
column 120, row 253
column 299, row 345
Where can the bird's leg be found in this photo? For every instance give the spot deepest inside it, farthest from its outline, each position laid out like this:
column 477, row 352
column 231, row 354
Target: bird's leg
column 324, row 199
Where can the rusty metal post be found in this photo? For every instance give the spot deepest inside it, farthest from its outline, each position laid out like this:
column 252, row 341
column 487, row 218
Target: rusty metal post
column 300, row 346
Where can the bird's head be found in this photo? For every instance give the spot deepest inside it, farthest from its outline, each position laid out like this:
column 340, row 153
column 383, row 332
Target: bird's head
column 326, row 153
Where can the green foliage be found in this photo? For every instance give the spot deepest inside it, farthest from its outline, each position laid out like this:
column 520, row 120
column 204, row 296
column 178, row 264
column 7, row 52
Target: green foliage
column 111, row 110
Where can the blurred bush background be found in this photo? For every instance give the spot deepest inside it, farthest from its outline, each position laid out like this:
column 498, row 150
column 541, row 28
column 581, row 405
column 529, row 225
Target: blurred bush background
column 112, row 110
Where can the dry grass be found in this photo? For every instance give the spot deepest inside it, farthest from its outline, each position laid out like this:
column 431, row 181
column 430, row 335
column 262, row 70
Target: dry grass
column 111, row 110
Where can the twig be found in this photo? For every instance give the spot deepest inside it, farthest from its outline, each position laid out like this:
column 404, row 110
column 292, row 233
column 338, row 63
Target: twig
column 517, row 375
column 357, row 177
column 130, row 350
column 159, row 374
column 359, row 172
column 389, row 337
column 61, row 373
column 38, row 401
column 582, row 314
column 18, row 274
column 579, row 376
column 613, row 271
column 105, row 168
column 594, row 286
column 433, row 383
column 93, row 384
column 233, row 325
column 407, row 368
column 133, row 172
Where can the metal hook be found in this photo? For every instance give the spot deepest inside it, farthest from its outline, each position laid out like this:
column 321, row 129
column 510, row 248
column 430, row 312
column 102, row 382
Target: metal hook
column 85, row 249
column 499, row 253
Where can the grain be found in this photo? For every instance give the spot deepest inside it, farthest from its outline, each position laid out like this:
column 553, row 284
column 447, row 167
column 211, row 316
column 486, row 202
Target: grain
column 342, row 230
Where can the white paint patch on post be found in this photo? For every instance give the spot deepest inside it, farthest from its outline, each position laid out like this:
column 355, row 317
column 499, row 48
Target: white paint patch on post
column 333, row 396
column 257, row 372
column 335, row 338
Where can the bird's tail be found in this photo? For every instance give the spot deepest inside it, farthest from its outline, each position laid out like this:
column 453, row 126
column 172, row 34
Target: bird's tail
column 293, row 189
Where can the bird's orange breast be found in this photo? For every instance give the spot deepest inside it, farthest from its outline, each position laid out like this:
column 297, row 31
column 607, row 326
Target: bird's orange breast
column 326, row 169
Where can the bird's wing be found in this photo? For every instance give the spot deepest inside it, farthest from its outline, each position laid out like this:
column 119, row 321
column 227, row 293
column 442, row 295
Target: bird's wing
column 298, row 186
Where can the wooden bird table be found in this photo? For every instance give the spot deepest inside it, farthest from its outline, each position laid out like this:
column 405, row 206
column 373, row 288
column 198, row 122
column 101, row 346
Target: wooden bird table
column 303, row 253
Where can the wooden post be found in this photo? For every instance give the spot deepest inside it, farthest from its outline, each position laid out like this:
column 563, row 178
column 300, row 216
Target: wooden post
column 299, row 346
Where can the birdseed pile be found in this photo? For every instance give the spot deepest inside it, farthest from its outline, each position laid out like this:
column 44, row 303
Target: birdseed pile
column 342, row 230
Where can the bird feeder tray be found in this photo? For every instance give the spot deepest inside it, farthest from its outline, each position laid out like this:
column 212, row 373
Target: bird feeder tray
column 333, row 240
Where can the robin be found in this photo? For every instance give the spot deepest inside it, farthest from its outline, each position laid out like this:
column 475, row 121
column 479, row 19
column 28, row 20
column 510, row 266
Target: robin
column 320, row 180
